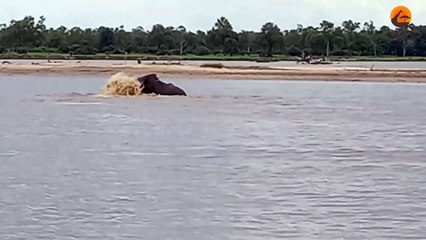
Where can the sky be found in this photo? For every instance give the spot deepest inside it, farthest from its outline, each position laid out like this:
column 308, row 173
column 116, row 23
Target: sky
column 202, row 14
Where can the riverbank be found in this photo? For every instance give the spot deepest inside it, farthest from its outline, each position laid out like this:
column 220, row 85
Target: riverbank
column 223, row 70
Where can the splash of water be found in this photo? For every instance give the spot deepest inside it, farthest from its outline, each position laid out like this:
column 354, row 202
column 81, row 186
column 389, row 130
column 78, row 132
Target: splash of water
column 120, row 84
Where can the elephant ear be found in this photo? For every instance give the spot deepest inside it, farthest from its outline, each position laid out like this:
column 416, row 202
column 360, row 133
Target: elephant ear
column 141, row 80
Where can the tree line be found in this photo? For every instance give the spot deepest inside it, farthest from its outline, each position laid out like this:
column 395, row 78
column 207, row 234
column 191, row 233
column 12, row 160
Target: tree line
column 328, row 39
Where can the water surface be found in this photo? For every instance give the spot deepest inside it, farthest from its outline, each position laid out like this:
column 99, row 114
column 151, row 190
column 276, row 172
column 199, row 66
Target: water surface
column 234, row 160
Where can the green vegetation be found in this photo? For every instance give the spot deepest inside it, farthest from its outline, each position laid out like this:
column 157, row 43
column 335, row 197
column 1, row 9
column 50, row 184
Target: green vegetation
column 28, row 38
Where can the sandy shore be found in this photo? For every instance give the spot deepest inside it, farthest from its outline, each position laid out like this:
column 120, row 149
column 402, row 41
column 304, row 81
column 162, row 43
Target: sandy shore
column 245, row 70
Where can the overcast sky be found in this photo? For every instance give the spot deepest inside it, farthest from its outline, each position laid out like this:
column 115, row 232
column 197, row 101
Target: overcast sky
column 201, row 14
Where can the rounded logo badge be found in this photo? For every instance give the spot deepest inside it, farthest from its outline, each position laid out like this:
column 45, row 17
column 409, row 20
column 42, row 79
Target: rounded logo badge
column 400, row 16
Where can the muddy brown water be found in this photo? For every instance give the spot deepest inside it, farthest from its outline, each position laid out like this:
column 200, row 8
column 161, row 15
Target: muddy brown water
column 234, row 160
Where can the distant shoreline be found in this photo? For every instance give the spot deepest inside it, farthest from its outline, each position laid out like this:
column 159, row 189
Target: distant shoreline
column 246, row 71
column 210, row 57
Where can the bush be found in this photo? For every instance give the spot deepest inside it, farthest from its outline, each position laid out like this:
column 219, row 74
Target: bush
column 21, row 50
column 38, row 49
column 151, row 50
column 163, row 52
column 64, row 49
column 216, row 52
column 73, row 48
column 42, row 49
column 2, row 49
column 243, row 53
column 340, row 53
column 294, row 52
column 85, row 50
column 118, row 51
column 138, row 49
column 174, row 51
column 129, row 49
column 107, row 49
column 201, row 50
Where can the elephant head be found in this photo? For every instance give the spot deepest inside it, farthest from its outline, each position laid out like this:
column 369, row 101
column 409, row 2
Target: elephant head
column 151, row 84
column 148, row 82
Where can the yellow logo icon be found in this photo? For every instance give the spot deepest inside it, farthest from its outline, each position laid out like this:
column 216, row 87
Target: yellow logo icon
column 400, row 16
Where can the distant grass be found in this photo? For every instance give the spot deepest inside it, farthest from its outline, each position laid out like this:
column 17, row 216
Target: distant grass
column 191, row 57
column 378, row 59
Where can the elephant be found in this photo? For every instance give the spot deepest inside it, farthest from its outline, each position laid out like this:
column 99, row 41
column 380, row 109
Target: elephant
column 151, row 84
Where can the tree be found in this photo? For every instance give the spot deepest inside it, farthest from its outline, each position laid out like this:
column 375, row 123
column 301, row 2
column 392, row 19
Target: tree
column 57, row 39
column 180, row 35
column 221, row 31
column 31, row 35
column 156, row 36
column 370, row 33
column 24, row 33
column 419, row 38
column 231, row 46
column 122, row 40
column 349, row 26
column 349, row 30
column 246, row 41
column 139, row 41
column 400, row 38
column 106, row 39
column 327, row 29
column 271, row 35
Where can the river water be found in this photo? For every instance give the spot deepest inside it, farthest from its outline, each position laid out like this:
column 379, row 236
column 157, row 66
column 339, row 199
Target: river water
column 234, row 160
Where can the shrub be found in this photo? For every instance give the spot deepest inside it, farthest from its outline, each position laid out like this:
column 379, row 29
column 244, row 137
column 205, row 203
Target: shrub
column 340, row 53
column 85, row 50
column 21, row 50
column 201, row 50
column 64, row 49
column 118, row 51
column 107, row 49
column 163, row 52
column 174, row 51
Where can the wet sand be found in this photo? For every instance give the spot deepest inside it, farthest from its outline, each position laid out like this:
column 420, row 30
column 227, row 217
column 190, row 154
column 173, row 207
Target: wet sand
column 231, row 70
